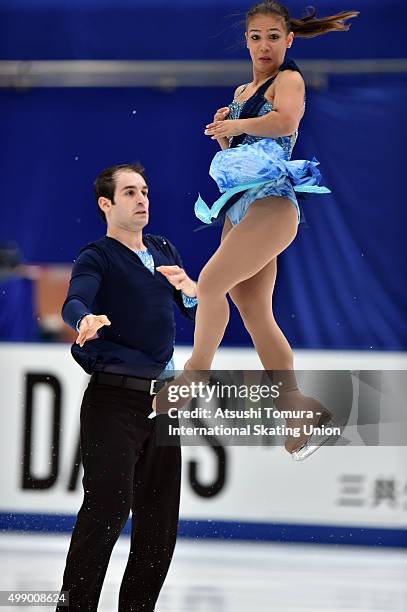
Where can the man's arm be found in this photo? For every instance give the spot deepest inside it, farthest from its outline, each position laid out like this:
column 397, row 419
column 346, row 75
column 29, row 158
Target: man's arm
column 184, row 287
column 87, row 274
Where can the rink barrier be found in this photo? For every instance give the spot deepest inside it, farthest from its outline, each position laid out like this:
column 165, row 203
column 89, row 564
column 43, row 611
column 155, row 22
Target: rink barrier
column 229, row 530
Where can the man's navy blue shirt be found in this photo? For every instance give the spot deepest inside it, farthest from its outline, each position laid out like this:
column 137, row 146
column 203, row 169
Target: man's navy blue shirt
column 109, row 278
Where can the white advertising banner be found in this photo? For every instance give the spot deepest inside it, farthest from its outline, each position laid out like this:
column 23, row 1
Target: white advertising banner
column 354, row 487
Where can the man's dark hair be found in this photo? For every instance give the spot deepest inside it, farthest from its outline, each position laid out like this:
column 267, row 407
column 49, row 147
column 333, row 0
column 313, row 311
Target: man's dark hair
column 105, row 182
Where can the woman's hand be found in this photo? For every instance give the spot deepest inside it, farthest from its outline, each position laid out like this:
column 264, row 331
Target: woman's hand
column 221, row 114
column 224, row 129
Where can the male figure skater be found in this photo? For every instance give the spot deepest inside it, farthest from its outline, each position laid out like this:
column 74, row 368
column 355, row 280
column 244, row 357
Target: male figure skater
column 122, row 289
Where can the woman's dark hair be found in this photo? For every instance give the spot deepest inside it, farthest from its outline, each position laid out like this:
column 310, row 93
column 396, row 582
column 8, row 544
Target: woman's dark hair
column 105, row 183
column 307, row 27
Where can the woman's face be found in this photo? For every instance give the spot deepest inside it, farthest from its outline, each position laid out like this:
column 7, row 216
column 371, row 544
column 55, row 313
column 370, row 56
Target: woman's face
column 267, row 41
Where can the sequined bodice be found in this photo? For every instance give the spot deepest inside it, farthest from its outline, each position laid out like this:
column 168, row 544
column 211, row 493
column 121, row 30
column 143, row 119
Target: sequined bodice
column 286, row 142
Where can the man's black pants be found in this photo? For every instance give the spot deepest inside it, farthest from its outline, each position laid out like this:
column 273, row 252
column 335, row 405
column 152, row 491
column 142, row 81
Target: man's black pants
column 123, row 469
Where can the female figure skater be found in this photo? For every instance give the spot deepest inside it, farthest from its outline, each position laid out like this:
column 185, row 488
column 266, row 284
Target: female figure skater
column 258, row 182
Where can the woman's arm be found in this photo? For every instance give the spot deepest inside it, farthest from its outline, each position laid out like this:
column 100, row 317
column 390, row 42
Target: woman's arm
column 288, row 109
column 223, row 141
column 221, row 115
column 283, row 120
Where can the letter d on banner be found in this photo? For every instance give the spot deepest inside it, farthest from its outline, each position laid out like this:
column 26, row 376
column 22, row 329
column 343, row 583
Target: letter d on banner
column 29, row 481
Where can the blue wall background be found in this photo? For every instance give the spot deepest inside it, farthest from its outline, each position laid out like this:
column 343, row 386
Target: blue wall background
column 341, row 284
column 181, row 29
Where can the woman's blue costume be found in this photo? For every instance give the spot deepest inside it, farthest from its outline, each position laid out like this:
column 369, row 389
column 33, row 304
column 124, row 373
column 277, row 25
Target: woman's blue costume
column 254, row 167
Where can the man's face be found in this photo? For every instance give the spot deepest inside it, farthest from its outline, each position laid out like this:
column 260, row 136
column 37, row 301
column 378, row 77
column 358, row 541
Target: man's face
column 130, row 208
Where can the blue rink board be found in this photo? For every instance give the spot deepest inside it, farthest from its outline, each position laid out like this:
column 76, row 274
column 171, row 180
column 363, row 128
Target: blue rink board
column 229, row 530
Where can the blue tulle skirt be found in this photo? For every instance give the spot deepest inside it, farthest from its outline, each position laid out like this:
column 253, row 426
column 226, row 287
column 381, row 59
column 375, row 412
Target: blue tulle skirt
column 260, row 170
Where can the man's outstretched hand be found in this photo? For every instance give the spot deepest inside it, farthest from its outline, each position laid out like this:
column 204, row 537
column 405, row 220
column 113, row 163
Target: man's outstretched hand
column 88, row 327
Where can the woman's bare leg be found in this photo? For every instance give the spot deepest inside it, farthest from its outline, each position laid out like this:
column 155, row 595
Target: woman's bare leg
column 253, row 298
column 269, row 226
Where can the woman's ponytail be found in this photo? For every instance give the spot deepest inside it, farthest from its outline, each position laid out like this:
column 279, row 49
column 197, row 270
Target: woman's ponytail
column 310, row 25
column 307, row 27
